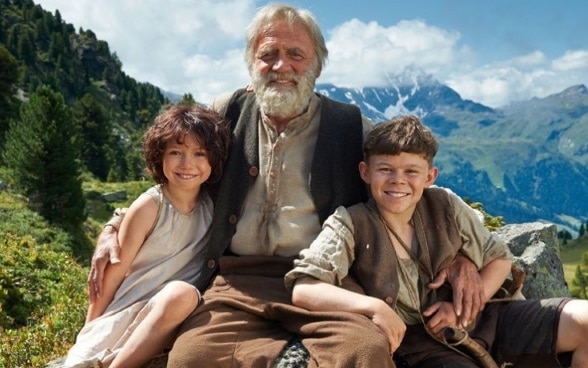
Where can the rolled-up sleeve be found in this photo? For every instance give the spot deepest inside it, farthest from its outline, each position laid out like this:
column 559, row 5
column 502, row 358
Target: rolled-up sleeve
column 330, row 255
column 479, row 244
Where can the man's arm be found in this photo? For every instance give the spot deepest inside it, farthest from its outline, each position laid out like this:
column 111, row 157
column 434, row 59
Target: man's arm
column 107, row 251
column 491, row 277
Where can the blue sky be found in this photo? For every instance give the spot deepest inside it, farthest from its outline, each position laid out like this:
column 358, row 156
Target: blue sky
column 492, row 52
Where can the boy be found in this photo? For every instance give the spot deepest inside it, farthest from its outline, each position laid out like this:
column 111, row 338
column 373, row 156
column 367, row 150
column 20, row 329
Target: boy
column 396, row 243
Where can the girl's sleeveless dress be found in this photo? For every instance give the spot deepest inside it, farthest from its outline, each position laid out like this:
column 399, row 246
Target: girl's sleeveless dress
column 173, row 251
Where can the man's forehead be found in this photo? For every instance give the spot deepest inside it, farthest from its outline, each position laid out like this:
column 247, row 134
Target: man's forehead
column 285, row 30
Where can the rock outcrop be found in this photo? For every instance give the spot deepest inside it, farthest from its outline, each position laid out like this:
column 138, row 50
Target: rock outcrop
column 536, row 250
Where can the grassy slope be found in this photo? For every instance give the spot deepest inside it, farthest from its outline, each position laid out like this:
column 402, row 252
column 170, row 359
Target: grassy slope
column 571, row 256
column 55, row 292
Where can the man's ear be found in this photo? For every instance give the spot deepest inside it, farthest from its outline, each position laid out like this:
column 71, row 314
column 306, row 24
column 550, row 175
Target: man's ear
column 364, row 172
column 432, row 176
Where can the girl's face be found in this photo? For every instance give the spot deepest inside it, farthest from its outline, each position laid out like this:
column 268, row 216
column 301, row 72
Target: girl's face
column 185, row 164
column 397, row 182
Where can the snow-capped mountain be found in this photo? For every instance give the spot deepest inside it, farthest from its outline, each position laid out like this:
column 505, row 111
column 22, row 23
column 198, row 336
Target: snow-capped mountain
column 525, row 162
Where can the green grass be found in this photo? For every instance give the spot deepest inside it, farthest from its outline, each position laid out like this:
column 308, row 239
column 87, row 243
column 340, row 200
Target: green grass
column 571, row 257
column 42, row 282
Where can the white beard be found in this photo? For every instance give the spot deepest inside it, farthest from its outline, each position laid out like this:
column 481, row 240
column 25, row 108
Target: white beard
column 280, row 102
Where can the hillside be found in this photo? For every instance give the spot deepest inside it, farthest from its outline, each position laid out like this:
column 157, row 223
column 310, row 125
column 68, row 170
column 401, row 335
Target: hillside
column 39, row 48
column 43, row 271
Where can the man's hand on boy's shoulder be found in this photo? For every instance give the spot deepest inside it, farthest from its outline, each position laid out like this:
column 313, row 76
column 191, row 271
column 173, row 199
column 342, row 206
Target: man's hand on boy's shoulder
column 466, row 283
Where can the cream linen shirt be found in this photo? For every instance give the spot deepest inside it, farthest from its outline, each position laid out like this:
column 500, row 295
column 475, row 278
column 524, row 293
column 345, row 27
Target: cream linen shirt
column 279, row 216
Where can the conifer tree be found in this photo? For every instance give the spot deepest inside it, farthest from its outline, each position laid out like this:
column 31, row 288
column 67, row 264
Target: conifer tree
column 187, row 100
column 580, row 282
column 42, row 151
column 8, row 78
column 96, row 137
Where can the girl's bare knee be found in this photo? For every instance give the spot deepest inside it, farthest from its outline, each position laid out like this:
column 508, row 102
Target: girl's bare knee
column 181, row 296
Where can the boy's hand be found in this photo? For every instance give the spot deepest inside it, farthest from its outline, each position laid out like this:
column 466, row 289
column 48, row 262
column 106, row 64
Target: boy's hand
column 442, row 315
column 468, row 291
column 391, row 325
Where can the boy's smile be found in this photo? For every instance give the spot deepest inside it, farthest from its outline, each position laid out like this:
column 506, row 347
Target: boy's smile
column 397, row 181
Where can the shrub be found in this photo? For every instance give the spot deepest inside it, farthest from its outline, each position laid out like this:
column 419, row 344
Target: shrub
column 42, row 302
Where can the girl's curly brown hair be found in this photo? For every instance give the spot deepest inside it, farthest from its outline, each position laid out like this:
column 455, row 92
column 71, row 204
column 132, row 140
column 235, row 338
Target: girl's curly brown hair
column 210, row 129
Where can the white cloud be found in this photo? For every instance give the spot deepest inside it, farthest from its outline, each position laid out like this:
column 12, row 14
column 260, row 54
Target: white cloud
column 160, row 42
column 571, row 60
column 196, row 46
column 532, row 59
column 496, row 85
column 362, row 54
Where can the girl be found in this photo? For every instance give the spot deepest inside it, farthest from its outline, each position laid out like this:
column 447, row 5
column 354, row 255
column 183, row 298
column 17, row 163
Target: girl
column 149, row 292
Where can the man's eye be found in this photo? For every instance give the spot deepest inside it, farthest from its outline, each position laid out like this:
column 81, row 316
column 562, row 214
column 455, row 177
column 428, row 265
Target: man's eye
column 296, row 56
column 268, row 55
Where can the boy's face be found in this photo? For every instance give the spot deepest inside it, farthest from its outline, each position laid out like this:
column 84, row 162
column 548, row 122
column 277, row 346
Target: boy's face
column 397, row 181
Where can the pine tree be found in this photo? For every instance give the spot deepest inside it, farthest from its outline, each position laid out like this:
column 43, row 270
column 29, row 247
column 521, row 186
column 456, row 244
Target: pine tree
column 8, row 78
column 582, row 231
column 42, row 151
column 580, row 282
column 187, row 100
column 96, row 127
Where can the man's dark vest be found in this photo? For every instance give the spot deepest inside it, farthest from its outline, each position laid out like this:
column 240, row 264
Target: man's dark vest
column 334, row 178
column 375, row 265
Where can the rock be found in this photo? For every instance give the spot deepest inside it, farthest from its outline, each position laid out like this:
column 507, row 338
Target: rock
column 536, row 250
column 114, row 196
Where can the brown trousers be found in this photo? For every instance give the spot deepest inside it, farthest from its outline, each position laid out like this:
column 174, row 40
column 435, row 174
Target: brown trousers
column 247, row 318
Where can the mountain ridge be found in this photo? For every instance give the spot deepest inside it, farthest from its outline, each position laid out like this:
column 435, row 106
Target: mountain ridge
column 526, row 161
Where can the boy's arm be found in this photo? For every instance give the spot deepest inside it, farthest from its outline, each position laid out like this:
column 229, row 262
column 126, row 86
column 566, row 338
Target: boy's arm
column 479, row 247
column 107, row 251
column 330, row 255
column 317, row 295
column 318, row 275
column 493, row 276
